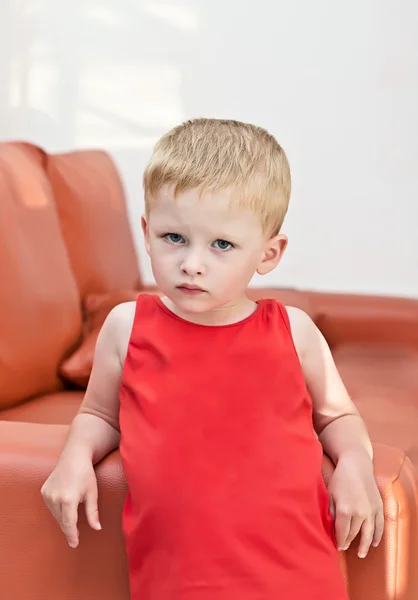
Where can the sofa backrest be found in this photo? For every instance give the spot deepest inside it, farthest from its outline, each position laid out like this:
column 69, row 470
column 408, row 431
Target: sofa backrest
column 363, row 320
column 91, row 205
column 40, row 315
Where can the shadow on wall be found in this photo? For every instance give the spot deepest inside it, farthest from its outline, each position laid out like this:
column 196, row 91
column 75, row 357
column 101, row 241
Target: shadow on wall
column 96, row 74
column 118, row 75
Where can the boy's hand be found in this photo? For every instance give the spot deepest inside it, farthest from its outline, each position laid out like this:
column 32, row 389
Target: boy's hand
column 71, row 483
column 355, row 503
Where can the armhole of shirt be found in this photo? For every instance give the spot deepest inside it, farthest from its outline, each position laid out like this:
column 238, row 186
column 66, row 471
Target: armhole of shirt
column 285, row 317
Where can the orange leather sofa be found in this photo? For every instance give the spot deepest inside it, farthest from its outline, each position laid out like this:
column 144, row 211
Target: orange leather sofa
column 67, row 257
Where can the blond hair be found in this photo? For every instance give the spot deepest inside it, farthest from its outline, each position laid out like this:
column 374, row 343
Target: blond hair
column 216, row 155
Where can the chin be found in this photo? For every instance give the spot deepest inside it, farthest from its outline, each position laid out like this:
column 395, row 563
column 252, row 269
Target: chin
column 192, row 304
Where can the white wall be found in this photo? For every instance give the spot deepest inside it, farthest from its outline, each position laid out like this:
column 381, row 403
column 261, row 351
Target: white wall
column 336, row 82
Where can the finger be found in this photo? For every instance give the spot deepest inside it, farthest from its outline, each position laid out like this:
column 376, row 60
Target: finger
column 54, row 508
column 68, row 522
column 367, row 533
column 342, row 528
column 56, row 511
column 92, row 510
column 379, row 528
column 355, row 527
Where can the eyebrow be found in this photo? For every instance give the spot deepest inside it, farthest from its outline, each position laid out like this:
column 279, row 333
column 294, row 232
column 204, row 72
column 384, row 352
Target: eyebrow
column 176, row 226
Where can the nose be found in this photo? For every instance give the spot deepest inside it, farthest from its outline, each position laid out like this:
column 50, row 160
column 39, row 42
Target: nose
column 192, row 263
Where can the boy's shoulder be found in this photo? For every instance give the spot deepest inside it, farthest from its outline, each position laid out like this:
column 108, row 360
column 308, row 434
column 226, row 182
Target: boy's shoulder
column 298, row 317
column 302, row 328
column 123, row 313
column 118, row 326
column 121, row 318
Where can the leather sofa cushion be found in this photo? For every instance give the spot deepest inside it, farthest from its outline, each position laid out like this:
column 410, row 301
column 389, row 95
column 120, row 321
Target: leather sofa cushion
column 36, row 562
column 91, row 205
column 359, row 319
column 40, row 314
column 77, row 367
column 52, row 409
column 382, row 380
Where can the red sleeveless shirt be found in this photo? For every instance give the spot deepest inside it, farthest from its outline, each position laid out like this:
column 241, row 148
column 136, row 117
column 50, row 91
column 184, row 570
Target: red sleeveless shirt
column 226, row 499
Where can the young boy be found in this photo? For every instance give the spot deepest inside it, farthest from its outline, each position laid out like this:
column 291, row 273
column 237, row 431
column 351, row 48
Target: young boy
column 222, row 407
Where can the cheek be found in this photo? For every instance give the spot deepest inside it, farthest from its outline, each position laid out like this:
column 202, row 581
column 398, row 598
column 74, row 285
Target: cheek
column 240, row 266
column 250, row 260
column 162, row 255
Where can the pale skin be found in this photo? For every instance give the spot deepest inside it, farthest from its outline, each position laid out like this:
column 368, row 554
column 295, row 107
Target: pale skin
column 211, row 243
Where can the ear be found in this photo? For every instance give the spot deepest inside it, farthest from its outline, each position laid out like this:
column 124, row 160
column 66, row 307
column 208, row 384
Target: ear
column 273, row 253
column 144, row 225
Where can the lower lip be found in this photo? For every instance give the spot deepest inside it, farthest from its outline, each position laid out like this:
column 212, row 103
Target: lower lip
column 191, row 292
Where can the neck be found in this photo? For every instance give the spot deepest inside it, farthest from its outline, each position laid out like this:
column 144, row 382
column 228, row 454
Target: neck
column 227, row 314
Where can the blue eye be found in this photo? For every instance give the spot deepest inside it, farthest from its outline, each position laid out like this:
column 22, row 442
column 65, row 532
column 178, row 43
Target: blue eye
column 174, row 238
column 222, row 245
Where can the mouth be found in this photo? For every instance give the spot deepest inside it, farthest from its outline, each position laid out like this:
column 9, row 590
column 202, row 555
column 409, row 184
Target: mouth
column 193, row 290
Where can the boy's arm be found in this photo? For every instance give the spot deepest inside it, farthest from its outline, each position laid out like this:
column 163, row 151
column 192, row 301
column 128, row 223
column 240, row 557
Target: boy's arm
column 95, row 430
column 337, row 422
column 344, row 437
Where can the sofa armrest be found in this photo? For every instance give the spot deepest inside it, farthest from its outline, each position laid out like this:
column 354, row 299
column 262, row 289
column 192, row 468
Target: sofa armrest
column 389, row 571
column 356, row 319
column 36, row 562
column 35, row 559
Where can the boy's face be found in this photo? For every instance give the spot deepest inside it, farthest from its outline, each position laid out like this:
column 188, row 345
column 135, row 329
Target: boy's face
column 203, row 251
